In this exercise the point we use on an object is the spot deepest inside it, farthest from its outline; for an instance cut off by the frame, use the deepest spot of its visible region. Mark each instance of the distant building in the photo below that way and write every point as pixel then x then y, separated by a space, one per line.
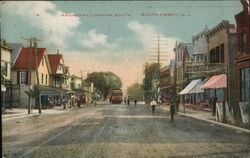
pixel 183 54
pixel 197 67
pixel 243 56
pixel 167 82
pixel 60 79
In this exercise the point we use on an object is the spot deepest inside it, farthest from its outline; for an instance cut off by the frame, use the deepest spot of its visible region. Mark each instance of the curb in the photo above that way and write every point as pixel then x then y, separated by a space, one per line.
pixel 213 122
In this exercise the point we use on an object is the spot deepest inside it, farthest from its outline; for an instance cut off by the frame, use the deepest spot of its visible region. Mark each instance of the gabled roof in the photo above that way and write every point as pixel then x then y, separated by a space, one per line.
pixel 16 48
pixel 54 60
pixel 22 61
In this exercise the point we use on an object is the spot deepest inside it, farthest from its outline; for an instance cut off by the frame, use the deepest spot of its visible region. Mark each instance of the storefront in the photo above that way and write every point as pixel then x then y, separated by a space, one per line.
pixel 193 92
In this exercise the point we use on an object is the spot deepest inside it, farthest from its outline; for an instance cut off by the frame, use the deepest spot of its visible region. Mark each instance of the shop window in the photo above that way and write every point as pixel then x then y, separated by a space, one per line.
pixel 244 84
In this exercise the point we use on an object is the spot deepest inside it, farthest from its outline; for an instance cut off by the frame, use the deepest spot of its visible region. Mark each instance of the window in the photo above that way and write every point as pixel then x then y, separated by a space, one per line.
pixel 23 78
pixel 222 52
pixel 212 56
pixel 243 42
pixel 217 54
pixel 42 78
pixel 244 84
pixel 46 80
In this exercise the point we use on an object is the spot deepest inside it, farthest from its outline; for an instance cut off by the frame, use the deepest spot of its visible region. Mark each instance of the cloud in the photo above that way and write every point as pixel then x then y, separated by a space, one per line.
pixel 147 35
pixel 44 16
pixel 92 39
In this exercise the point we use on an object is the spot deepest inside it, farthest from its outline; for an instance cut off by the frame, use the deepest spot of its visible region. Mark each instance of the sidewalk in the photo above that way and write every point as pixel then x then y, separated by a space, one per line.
pixel 16 112
pixel 206 115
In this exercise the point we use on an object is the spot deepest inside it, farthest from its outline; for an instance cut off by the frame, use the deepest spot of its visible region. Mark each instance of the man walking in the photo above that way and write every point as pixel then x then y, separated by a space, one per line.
pixel 135 102
pixel 213 101
pixel 172 112
pixel 153 105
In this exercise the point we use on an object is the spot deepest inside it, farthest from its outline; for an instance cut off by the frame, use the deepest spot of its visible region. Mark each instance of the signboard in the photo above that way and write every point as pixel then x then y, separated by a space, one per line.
pixel 245 111
pixel 219 112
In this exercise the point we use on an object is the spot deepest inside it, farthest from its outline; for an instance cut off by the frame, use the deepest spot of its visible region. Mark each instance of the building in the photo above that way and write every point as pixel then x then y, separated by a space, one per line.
pixel 5 72
pixel 197 67
pixel 183 53
pixel 13 98
pixel 167 82
pixel 77 85
pixel 60 79
pixel 221 47
pixel 31 68
pixel 242 59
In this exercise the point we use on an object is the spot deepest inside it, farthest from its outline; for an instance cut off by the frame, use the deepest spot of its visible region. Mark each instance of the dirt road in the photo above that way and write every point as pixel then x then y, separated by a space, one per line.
pixel 119 131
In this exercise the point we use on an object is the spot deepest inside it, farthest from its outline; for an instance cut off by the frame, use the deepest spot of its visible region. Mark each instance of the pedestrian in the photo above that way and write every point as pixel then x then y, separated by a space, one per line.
pixel 172 112
pixel 128 101
pixel 153 105
pixel 125 100
pixel 135 102
pixel 213 101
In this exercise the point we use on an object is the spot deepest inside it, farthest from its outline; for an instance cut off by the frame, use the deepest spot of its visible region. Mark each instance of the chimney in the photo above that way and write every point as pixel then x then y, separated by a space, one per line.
pixel 57 51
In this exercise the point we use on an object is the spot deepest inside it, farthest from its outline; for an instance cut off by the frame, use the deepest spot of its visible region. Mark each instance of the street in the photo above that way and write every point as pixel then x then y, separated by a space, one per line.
pixel 113 131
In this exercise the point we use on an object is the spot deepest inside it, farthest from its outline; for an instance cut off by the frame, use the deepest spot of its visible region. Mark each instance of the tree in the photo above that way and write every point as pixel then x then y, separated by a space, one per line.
pixel 135 91
pixel 33 93
pixel 150 70
pixel 104 81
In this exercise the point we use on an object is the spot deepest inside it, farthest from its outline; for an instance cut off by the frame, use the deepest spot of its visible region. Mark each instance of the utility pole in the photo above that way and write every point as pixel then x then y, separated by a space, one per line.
pixel 37 76
pixel 158 58
pixel 33 40
pixel 175 78
pixel 29 80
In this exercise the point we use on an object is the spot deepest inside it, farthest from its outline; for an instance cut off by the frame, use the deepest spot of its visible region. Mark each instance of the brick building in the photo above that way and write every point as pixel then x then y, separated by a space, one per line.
pixel 243 56
pixel 221 47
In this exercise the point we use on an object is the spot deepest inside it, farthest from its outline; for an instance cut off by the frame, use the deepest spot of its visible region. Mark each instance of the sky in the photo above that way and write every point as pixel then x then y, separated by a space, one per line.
pixel 117 36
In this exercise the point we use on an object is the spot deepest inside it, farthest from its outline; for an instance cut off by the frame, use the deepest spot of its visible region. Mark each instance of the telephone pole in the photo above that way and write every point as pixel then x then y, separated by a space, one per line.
pixel 33 40
pixel 158 58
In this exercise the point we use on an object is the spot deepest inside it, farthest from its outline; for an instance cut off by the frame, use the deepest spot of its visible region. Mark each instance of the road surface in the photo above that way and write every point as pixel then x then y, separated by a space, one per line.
pixel 119 131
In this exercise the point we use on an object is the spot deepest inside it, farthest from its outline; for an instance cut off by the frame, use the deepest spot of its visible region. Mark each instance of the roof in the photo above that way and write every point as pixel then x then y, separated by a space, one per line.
pixel 16 48
pixel 54 60
pixel 192 87
pixel 190 50
pixel 22 61
pixel 215 82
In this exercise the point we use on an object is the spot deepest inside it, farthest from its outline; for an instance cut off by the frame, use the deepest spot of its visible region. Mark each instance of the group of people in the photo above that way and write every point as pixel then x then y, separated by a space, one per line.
pixel 127 101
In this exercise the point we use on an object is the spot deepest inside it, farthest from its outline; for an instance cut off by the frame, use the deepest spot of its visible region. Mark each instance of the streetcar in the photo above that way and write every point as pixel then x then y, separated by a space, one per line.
pixel 116 96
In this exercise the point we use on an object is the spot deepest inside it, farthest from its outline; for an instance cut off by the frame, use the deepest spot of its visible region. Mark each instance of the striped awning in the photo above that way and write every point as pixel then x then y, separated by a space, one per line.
pixel 215 82
pixel 192 87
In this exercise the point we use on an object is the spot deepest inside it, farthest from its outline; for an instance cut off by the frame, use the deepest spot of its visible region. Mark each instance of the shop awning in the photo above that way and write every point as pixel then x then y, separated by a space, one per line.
pixel 197 88
pixel 218 81
pixel 192 87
